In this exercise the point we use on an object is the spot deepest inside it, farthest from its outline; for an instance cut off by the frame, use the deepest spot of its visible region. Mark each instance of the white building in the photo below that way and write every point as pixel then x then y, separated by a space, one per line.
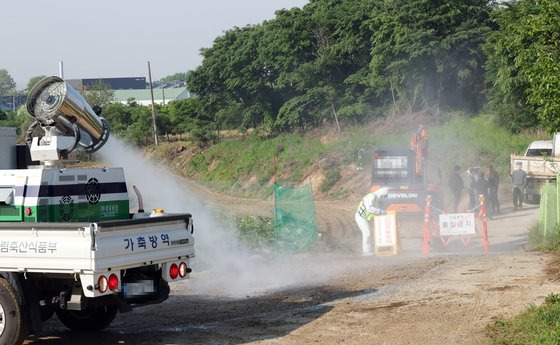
pixel 143 96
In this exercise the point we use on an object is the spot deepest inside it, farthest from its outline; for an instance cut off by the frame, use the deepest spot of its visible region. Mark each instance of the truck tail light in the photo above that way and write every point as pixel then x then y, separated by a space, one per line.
pixel 173 271
pixel 113 282
pixel 102 284
pixel 182 270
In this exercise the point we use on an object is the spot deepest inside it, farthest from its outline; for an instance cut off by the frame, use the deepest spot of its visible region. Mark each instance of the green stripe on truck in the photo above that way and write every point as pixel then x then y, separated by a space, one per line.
pixel 67 211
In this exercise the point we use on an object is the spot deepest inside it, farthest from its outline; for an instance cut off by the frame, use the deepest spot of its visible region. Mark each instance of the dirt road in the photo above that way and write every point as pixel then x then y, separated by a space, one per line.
pixel 443 298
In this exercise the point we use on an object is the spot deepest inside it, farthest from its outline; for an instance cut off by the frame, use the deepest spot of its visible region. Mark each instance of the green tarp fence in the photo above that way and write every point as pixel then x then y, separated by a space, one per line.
pixel 549 210
pixel 295 223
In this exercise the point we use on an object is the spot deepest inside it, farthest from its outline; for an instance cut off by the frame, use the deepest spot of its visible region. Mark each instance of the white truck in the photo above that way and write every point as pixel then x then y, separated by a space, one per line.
pixel 68 243
pixel 541 162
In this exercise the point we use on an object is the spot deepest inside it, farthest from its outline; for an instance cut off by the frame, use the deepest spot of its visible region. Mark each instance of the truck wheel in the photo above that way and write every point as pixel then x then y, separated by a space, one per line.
pixel 89 319
pixel 12 323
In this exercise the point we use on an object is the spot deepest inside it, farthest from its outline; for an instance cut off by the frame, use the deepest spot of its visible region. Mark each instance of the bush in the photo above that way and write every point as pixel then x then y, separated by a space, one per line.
pixel 255 231
pixel 204 135
pixel 332 176
pixel 539 241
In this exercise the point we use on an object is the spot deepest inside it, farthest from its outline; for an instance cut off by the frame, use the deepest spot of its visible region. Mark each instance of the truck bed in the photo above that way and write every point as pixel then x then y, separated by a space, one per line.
pixel 93 247
pixel 537 167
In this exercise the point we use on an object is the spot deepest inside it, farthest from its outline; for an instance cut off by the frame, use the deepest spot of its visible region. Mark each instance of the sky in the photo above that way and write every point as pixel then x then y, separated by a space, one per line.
pixel 105 39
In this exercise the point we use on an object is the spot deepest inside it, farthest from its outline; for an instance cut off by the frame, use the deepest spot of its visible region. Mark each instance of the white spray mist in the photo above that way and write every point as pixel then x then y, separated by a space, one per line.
pixel 223 265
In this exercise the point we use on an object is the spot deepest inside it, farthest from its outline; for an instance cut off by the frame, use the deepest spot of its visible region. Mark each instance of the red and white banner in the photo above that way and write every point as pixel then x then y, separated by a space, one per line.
pixel 456 224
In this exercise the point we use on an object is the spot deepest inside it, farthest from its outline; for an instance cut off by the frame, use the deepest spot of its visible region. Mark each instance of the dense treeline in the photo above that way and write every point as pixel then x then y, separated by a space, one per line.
pixel 523 67
pixel 348 61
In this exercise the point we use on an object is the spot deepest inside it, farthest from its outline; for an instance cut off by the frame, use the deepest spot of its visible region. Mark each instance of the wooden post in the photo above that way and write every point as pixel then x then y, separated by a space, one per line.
pixel 335 117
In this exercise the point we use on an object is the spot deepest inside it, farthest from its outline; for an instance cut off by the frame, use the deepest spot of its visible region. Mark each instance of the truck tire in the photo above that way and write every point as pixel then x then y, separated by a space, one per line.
pixel 13 328
pixel 89 319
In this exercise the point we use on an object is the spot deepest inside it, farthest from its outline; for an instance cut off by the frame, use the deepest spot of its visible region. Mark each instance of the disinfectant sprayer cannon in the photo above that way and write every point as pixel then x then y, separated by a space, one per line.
pixel 66 118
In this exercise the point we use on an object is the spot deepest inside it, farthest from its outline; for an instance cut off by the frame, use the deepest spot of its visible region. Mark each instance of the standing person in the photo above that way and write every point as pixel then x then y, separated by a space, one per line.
pixel 456 185
pixel 481 187
pixel 369 206
pixel 519 179
pixel 471 187
pixel 493 186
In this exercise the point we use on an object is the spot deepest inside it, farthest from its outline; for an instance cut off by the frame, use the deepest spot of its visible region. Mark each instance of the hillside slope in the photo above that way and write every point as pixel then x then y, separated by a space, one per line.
pixel 337 164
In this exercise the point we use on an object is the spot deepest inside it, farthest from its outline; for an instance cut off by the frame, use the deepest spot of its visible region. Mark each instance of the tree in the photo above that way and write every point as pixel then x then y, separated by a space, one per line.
pixel 132 122
pixel 34 80
pixel 180 76
pixel 429 53
pixel 99 94
pixel 345 61
pixel 7 84
pixel 523 69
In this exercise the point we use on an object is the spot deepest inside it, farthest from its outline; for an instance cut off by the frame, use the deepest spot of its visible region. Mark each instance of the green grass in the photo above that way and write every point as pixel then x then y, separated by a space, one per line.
pixel 538 325
pixel 476 141
pixel 539 241
pixel 234 164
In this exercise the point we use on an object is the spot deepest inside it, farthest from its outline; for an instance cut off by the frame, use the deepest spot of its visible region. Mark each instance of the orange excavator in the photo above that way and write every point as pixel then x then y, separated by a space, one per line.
pixel 404 172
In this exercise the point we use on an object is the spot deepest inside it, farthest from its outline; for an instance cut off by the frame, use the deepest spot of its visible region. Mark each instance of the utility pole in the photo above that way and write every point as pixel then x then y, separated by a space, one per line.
pixel 153 105
pixel 14 101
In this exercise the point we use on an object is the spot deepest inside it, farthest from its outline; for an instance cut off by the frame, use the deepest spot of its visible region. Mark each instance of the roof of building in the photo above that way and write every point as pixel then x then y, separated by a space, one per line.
pixel 140 95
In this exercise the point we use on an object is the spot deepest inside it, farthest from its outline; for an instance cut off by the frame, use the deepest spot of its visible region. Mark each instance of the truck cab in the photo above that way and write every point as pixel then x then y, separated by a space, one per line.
pixel 540 148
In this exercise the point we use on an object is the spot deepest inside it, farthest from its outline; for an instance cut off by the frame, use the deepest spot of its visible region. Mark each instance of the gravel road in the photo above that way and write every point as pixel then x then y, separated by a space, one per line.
pixel 446 297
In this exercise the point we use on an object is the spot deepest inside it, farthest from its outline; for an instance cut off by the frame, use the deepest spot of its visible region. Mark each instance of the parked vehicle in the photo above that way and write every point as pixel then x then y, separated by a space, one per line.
pixel 404 171
pixel 68 242
pixel 541 162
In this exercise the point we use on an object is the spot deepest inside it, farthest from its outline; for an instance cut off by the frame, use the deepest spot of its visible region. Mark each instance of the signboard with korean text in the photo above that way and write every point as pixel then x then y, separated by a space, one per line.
pixel 456 224
pixel 385 228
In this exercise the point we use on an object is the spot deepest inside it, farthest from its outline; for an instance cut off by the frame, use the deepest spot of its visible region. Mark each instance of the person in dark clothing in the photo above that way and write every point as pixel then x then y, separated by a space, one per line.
pixel 456 185
pixel 519 179
pixel 493 186
pixel 471 188
pixel 481 188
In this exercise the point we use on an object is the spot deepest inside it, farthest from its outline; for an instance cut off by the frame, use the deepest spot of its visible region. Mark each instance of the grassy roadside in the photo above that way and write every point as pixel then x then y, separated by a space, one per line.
pixel 245 166
pixel 537 325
